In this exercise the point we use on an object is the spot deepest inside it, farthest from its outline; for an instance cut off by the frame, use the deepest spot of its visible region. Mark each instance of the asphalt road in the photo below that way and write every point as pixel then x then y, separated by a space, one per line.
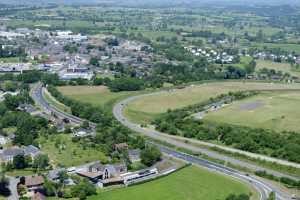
pixel 263 187
pixel 13 182
pixel 125 102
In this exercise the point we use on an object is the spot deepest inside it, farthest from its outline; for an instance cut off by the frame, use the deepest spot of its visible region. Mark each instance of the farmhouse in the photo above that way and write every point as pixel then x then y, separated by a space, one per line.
pixel 104 174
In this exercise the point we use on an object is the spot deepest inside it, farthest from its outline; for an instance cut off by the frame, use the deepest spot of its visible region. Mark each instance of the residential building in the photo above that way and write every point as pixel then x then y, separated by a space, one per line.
pixel 34 182
pixel 7 155
pixel 134 155
pixel 121 146
pixel 104 174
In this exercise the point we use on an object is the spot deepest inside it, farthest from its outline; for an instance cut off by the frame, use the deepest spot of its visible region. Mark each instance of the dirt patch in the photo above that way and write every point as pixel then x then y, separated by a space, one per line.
pixel 251 106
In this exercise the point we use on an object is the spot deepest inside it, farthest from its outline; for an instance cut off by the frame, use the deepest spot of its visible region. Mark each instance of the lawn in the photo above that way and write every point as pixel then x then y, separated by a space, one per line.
pixel 191 183
pixel 62 151
pixel 10 60
pixel 145 108
pixel 273 110
pixel 22 172
pixel 284 67
pixel 96 95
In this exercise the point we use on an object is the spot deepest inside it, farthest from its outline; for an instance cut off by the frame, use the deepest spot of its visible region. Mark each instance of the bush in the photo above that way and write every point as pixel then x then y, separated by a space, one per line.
pixel 150 155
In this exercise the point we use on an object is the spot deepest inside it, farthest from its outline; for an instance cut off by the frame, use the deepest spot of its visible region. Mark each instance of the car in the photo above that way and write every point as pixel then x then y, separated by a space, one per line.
pixel 71 169
pixel 65 120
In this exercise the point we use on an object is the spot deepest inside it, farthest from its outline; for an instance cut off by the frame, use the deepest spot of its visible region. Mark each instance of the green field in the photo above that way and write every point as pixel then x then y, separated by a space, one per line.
pixel 191 183
pixel 272 110
pixel 96 95
pixel 142 110
pixel 68 153
pixel 10 60
pixel 286 47
pixel 284 67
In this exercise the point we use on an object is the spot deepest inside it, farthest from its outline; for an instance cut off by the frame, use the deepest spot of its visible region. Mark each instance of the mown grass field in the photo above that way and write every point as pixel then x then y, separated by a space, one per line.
pixel 96 95
pixel 272 110
pixel 142 110
pixel 284 67
pixel 68 153
pixel 286 47
pixel 191 183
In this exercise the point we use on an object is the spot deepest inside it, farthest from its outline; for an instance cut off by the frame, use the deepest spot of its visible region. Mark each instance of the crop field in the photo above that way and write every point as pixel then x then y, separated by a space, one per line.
pixel 178 98
pixel 191 183
pixel 96 95
pixel 271 110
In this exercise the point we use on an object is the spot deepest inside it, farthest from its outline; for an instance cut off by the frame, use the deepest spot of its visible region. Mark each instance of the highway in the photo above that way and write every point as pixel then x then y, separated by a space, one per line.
pixel 37 96
pixel 263 187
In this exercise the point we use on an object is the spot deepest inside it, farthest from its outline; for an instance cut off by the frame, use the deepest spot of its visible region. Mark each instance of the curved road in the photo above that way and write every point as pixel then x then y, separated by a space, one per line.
pixel 118 114
pixel 263 187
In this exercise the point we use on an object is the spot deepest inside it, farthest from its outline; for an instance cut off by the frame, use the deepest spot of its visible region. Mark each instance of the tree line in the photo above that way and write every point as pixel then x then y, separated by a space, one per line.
pixel 283 145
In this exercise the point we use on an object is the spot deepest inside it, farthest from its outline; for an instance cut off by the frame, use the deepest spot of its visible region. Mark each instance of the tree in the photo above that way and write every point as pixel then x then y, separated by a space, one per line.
pixel 94 61
pixel 4 183
pixel 19 162
pixel 98 81
pixel 10 86
pixel 83 189
pixel 272 196
pixel 62 176
pixel 85 124
pixel 238 197
pixel 41 161
pixel 150 155
pixel 126 84
pixel 250 68
pixel 49 188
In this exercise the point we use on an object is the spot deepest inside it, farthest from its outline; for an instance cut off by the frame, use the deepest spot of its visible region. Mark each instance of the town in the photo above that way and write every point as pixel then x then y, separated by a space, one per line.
pixel 153 100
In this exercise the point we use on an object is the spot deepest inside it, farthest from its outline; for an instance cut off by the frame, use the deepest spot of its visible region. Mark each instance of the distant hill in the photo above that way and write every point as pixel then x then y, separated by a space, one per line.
pixel 151 2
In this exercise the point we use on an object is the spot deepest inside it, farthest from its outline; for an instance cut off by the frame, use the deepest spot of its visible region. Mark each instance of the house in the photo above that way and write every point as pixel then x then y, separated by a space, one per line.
pixel 104 174
pixel 121 146
pixel 134 155
pixel 34 182
pixel 31 151
pixel 7 155
pixel 54 174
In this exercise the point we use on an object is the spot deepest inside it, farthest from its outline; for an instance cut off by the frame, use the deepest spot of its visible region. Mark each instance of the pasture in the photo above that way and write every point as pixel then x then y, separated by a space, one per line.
pixel 279 111
pixel 284 67
pixel 147 106
pixel 96 95
pixel 191 183
pixel 284 46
